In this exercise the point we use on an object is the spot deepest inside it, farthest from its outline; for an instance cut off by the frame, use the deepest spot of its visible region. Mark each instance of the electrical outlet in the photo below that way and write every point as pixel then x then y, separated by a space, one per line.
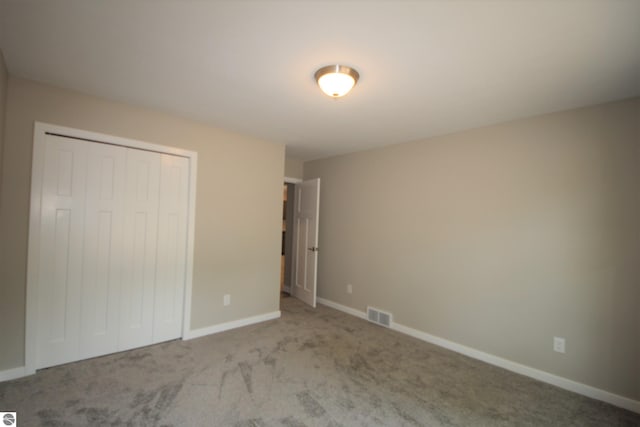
pixel 227 299
pixel 558 344
pixel 349 288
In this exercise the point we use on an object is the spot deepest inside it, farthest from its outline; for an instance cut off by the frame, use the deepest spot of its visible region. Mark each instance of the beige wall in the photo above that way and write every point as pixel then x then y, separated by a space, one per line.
pixel 4 79
pixel 238 213
pixel 499 239
pixel 293 168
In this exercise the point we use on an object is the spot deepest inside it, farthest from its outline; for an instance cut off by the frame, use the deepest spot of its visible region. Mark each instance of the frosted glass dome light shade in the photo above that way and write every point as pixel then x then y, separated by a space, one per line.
pixel 336 80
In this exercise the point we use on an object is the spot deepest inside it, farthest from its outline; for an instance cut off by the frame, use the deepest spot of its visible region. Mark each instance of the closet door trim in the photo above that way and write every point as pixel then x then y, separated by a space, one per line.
pixel 41 130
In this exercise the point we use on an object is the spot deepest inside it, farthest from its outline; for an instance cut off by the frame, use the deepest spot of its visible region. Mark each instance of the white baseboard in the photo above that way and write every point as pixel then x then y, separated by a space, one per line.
pixel 12 374
pixel 567 384
pixel 343 308
pixel 221 327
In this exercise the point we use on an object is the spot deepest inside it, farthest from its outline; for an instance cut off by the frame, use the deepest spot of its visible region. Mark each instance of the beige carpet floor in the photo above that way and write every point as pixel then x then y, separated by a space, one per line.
pixel 309 368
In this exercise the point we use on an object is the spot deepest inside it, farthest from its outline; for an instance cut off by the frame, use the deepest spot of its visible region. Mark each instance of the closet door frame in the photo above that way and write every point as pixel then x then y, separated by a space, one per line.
pixel 41 130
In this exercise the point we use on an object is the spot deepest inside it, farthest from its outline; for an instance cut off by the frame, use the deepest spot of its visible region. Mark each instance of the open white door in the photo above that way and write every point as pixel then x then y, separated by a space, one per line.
pixel 305 229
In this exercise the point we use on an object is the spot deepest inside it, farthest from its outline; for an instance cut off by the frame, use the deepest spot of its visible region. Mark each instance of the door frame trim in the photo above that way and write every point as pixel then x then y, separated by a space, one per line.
pixel 37 170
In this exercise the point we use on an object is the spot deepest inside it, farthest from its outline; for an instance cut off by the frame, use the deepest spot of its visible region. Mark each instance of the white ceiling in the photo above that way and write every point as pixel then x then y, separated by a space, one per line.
pixel 427 68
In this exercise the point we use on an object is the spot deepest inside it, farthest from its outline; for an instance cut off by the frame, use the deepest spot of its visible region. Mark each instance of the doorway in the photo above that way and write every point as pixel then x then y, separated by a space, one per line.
pixel 286 263
pixel 299 258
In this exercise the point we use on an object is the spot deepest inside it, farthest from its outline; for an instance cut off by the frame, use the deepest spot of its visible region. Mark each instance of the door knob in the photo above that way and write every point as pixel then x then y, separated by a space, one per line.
pixel 313 249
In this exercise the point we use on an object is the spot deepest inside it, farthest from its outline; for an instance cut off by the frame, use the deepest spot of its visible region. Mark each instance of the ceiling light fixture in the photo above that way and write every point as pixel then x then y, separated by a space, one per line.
pixel 336 80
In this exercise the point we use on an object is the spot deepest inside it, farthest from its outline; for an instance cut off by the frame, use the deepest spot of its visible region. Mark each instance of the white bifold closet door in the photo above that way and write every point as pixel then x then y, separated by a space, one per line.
pixel 113 233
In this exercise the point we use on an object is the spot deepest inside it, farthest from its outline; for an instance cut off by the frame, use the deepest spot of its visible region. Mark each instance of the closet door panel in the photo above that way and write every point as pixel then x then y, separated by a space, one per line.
pixel 139 249
pixel 112 246
pixel 172 248
pixel 104 216
pixel 61 247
